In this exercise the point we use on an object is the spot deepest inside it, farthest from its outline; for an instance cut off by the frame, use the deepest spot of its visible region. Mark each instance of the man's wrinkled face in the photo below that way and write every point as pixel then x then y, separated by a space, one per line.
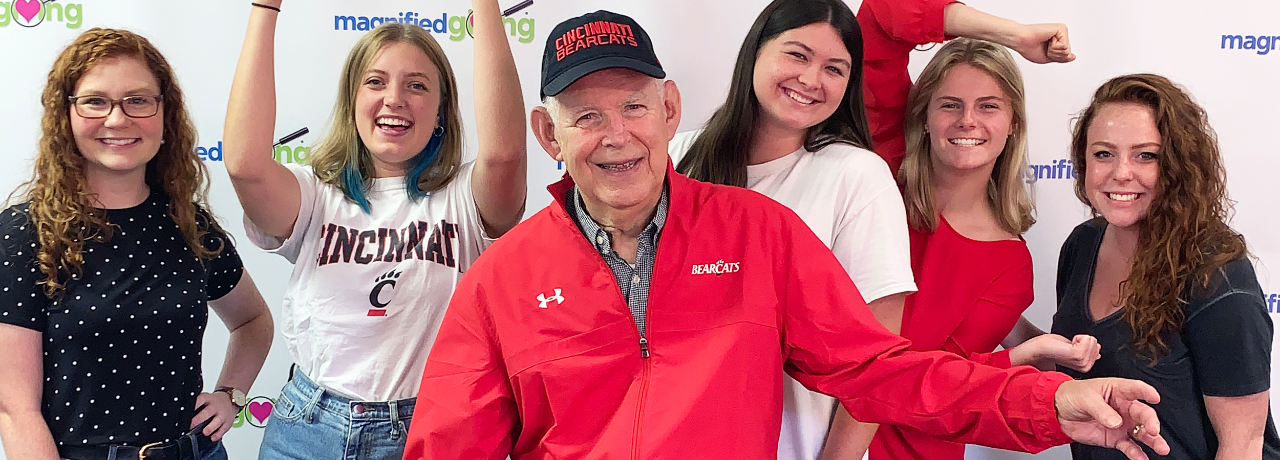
pixel 611 129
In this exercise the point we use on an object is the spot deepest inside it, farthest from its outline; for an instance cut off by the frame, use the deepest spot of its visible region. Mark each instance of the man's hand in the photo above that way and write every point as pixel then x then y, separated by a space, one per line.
pixel 1110 412
pixel 1044 43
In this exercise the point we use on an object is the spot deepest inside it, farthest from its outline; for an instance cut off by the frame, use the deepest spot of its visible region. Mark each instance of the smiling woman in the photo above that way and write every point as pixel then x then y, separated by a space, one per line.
pixel 385 118
pixel 1159 276
pixel 967 118
pixel 793 128
pixel 966 201
pixel 390 171
pixel 113 232
pixel 117 144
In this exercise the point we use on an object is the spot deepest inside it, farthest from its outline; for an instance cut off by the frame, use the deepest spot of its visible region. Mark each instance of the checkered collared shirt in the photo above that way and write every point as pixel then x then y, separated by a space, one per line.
pixel 632 279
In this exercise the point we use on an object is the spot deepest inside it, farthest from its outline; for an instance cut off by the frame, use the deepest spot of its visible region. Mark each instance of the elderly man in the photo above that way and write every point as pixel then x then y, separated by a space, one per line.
pixel 647 315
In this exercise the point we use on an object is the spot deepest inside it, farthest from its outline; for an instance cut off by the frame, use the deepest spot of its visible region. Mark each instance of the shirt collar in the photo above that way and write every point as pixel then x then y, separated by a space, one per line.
pixel 600 238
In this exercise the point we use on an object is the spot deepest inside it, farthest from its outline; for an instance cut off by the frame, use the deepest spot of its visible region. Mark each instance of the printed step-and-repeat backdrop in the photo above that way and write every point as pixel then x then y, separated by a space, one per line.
pixel 1224 53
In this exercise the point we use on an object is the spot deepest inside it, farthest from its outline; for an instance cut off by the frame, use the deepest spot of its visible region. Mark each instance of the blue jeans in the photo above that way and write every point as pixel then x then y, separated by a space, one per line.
pixel 309 423
pixel 217 452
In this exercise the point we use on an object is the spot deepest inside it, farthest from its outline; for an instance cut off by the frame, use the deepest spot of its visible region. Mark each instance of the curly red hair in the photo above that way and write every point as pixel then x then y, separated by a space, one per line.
pixel 61 202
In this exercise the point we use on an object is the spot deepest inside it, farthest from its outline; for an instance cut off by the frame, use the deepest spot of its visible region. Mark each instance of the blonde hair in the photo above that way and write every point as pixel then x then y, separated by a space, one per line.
pixel 341 157
pixel 1006 192
pixel 61 210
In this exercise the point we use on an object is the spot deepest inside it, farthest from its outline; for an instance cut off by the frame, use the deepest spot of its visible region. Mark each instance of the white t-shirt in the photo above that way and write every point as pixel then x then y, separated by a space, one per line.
pixel 849 199
pixel 368 291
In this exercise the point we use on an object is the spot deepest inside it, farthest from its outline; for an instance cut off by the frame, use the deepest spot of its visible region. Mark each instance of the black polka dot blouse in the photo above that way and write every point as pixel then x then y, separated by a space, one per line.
pixel 122 343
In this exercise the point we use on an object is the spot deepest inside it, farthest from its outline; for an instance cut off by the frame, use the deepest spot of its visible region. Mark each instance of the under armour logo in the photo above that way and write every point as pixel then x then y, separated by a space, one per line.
pixel 542 299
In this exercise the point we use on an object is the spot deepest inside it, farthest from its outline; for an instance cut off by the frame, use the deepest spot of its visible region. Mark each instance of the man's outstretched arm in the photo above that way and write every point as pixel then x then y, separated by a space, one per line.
pixel 835 345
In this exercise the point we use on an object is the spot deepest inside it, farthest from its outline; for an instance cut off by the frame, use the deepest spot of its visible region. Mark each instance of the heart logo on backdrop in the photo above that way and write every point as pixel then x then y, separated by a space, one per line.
pixel 259 411
pixel 28 9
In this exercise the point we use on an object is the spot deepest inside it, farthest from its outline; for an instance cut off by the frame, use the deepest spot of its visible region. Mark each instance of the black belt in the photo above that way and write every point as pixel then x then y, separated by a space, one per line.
pixel 178 449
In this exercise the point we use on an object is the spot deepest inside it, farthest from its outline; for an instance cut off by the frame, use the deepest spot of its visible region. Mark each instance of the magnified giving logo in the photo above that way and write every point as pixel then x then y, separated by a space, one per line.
pixel 31 13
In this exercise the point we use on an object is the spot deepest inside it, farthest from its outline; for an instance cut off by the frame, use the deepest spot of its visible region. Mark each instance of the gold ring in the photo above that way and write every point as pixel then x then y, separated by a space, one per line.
pixel 1137 429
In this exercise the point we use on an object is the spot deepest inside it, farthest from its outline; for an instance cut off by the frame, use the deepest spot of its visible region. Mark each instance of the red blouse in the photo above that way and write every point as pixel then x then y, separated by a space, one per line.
pixel 971 294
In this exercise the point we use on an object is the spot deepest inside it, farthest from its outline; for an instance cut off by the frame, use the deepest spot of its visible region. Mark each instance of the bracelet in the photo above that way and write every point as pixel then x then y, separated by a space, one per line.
pixel 269 7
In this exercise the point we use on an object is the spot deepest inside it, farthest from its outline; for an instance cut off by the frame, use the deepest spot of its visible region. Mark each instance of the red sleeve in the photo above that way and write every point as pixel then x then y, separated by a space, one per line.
pixel 890 30
pixel 910 21
pixel 465 407
pixel 998 359
pixel 844 352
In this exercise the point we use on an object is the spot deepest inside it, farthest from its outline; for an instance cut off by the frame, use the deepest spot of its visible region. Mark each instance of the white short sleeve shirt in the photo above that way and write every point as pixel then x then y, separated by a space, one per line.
pixel 368 290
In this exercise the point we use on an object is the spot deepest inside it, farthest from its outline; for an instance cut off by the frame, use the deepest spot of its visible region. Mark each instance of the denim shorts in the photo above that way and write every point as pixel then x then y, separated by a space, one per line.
pixel 310 423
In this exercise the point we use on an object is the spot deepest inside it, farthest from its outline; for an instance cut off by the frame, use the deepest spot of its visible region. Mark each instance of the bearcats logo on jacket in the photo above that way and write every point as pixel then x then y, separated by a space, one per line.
pixel 507 377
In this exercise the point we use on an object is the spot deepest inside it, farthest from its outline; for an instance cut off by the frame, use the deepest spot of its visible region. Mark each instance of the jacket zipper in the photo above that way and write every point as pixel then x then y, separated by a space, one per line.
pixel 644 391
pixel 644 354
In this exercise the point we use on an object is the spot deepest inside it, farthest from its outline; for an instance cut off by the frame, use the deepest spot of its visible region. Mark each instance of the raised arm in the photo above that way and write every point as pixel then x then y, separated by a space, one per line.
pixel 1039 43
pixel 892 28
pixel 498 181
pixel 22 428
pixel 268 192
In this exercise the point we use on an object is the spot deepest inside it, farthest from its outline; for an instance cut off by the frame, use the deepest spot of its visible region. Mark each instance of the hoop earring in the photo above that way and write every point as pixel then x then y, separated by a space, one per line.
pixel 439 131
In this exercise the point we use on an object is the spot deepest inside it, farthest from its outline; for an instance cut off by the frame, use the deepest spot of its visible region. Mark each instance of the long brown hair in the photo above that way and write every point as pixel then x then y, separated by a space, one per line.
pixel 1184 235
pixel 61 202
pixel 1006 191
pixel 719 154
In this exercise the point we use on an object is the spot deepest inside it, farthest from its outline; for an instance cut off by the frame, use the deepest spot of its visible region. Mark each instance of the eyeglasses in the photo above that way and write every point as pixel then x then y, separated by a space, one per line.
pixel 101 106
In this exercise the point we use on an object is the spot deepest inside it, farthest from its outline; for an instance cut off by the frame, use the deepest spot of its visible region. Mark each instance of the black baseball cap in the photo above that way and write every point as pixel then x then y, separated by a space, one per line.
pixel 595 41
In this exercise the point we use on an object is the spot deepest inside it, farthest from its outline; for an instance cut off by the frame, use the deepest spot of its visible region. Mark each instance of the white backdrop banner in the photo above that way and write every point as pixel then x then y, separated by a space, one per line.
pixel 1224 53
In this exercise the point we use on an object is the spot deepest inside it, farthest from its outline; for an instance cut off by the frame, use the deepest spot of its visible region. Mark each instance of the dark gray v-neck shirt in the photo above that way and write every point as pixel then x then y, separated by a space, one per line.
pixel 1224 349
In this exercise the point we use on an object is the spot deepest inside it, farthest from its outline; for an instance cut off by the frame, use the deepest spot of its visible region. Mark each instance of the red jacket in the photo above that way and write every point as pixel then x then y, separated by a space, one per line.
pixel 538 356
pixel 890 30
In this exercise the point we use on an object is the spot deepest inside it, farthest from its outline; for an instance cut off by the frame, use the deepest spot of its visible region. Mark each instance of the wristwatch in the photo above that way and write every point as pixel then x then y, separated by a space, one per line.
pixel 237 396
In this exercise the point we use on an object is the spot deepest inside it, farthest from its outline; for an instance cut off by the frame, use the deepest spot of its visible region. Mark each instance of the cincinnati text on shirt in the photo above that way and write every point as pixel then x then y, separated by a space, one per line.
pixel 418 240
